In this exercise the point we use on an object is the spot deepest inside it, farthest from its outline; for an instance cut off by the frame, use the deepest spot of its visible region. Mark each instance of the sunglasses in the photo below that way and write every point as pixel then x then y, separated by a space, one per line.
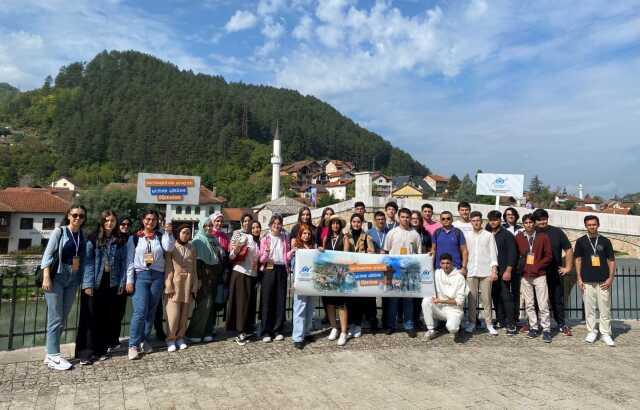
pixel 445 219
pixel 77 216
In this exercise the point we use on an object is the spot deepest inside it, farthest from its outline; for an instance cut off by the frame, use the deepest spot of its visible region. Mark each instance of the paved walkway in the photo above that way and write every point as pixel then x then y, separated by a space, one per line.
pixel 370 372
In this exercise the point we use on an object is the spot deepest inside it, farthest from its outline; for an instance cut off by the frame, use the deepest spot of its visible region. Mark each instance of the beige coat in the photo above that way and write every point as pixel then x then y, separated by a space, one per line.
pixel 181 278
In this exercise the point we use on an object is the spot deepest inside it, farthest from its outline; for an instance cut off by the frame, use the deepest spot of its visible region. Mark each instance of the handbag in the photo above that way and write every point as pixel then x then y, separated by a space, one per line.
pixel 53 268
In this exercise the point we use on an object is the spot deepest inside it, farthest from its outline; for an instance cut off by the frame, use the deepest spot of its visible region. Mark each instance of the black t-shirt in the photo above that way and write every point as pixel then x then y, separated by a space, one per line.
pixel 559 242
pixel 604 250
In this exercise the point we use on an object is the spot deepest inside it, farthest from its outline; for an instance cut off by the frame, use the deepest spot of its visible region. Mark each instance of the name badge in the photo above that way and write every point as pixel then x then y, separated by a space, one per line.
pixel 403 251
pixel 75 264
pixel 148 258
pixel 530 259
pixel 269 265
pixel 595 261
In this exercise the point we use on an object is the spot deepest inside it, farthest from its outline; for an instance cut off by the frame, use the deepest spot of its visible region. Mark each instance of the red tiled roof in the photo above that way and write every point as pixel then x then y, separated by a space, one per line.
pixel 438 178
pixel 338 183
pixel 616 211
pixel 235 214
pixel 32 200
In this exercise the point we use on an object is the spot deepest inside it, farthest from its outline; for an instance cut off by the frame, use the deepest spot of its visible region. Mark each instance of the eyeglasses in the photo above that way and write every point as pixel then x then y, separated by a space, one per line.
pixel 77 216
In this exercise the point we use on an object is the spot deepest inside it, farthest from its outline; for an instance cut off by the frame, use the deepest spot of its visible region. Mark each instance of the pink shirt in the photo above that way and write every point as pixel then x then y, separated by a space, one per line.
pixel 431 226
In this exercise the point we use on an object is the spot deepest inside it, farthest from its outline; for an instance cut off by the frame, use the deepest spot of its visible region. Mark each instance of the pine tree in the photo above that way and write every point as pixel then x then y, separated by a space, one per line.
pixel 467 190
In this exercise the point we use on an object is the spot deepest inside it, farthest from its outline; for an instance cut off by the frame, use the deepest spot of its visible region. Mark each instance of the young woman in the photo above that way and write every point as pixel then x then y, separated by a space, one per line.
pixel 180 284
pixel 303 306
pixel 145 278
pixel 323 227
pixel 357 240
pixel 304 218
pixel 120 300
pixel 336 241
pixel 274 252
pixel 66 249
pixel 244 256
pixel 211 245
pixel 103 281
pixel 417 223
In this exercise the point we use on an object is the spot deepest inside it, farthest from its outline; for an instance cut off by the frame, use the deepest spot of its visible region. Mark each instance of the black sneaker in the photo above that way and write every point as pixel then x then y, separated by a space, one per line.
pixel 512 332
pixel 532 333
pixel 298 345
pixel 546 337
pixel 309 339
pixel 388 331
pixel 411 333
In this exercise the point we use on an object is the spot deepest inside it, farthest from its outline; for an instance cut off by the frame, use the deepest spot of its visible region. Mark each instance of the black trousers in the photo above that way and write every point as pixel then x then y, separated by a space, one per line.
pixel 503 301
pixel 97 318
pixel 158 322
pixel 119 308
pixel 363 307
pixel 516 279
pixel 273 299
pixel 555 284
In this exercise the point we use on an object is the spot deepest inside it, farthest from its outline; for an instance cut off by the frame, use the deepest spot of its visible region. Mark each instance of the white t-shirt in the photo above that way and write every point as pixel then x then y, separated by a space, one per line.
pixel 276 253
pixel 465 227
pixel 400 241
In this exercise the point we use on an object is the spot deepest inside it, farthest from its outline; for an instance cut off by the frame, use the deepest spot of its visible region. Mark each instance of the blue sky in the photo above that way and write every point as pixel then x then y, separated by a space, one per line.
pixel 548 87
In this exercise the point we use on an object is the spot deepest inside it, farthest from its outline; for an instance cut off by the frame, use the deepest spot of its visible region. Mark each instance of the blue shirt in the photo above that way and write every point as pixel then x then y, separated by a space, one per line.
pixel 449 242
pixel 378 237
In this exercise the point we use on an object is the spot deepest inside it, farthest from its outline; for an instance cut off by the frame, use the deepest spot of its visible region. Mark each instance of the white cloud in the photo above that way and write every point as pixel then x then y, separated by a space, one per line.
pixel 266 7
pixel 304 29
pixel 241 20
pixel 273 30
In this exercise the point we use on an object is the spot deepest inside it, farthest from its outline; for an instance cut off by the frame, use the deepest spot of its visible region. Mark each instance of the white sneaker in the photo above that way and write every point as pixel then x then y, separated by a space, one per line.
pixel 469 327
pixel 430 334
pixel 333 335
pixel 608 340
pixel 342 340
pixel 266 339
pixel 57 362
pixel 171 347
pixel 355 331
pixel 145 347
pixel 279 338
pixel 181 344
pixel 207 339
pixel 492 330
pixel 133 353
pixel 591 337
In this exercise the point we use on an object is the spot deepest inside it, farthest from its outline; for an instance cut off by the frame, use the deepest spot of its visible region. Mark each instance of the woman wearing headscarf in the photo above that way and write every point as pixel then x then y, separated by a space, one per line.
pixel 212 247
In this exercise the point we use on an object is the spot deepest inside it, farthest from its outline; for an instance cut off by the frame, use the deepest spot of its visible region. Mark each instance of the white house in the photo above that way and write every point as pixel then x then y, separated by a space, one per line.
pixel 382 185
pixel 338 190
pixel 28 216
pixel 63 183
pixel 208 203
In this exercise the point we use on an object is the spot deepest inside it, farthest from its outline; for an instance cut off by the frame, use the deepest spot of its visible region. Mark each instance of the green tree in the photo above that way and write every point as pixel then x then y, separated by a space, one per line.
pixel 453 185
pixel 535 186
pixel 467 190
pixel 635 210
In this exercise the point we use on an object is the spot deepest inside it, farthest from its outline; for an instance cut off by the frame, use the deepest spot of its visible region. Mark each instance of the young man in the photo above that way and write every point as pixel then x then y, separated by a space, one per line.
pixel 557 270
pixel 448 303
pixel 390 209
pixel 595 266
pixel 464 224
pixel 482 272
pixel 360 209
pixel 510 224
pixel 534 249
pixel 401 240
pixel 379 231
pixel 451 240
pixel 508 284
pixel 427 219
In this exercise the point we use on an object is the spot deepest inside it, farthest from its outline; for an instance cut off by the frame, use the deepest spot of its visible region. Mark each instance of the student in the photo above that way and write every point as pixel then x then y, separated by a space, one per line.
pixel 464 224
pixel 508 283
pixel 323 225
pixel 510 224
pixel 274 254
pixel 402 240
pixel 451 240
pixel 534 249
pixel 303 305
pixel 425 237
pixel 304 218
pixel 211 246
pixel 103 281
pixel 145 278
pixel 556 269
pixel 336 242
pixel 360 209
pixel 391 209
pixel 596 266
pixel 427 219
pixel 357 240
pixel 120 303
pixel 180 286
pixel 63 265
pixel 448 303
pixel 378 231
pixel 482 272
pixel 244 257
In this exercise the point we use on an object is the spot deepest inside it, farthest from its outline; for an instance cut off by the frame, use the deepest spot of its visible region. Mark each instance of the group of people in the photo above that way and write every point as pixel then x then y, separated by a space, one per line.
pixel 165 271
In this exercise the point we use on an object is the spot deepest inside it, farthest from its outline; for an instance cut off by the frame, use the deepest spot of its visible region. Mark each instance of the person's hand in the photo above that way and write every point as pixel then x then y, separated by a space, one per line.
pixel 88 291
pixel 607 284
pixel 463 271
pixel 320 249
pixel 581 285
pixel 563 271
pixel 168 228
pixel 506 276
pixel 434 299
pixel 47 284
pixel 493 277
pixel 130 288
pixel 293 251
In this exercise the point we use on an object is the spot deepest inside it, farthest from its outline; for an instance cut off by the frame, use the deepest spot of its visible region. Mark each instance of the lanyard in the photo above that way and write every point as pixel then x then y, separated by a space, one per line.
pixel 334 243
pixel 594 247
pixel 148 245
pixel 532 240
pixel 76 243
pixel 381 239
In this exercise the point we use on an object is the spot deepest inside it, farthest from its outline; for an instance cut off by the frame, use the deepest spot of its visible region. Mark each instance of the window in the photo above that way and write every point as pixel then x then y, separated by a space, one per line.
pixel 26 223
pixel 4 221
pixel 197 210
pixel 188 210
pixel 44 242
pixel 178 209
pixel 24 244
pixel 48 224
pixel 211 210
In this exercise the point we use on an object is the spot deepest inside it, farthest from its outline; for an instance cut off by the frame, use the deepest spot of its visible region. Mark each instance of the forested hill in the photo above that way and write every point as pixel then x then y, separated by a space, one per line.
pixel 128 111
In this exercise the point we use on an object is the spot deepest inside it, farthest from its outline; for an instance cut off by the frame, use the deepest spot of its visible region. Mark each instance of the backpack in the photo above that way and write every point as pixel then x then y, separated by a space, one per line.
pixel 53 268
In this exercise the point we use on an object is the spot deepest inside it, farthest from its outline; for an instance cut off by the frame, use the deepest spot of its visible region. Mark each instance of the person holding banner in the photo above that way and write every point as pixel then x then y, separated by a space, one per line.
pixel 357 240
pixel 303 306
pixel 402 240
pixel 145 278
pixel 336 241
pixel 274 256
pixel 211 245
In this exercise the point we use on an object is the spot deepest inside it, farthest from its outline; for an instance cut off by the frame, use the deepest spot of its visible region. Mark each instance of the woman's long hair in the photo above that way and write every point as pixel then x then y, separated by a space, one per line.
pixel 299 242
pixel 323 217
pixel 100 237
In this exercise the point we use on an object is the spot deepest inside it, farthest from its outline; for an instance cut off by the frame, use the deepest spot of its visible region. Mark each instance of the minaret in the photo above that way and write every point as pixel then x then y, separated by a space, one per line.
pixel 580 191
pixel 276 161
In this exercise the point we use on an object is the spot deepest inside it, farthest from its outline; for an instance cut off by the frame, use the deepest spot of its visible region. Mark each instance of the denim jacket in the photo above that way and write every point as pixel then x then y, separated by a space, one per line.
pixel 47 257
pixel 94 267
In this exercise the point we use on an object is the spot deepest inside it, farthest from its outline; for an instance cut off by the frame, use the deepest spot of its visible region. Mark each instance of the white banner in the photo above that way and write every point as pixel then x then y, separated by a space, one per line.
pixel 500 185
pixel 168 189
pixel 334 273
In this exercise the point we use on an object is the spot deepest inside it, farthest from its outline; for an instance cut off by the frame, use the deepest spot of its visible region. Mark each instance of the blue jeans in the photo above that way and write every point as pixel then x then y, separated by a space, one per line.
pixel 391 312
pixel 149 286
pixel 303 308
pixel 59 303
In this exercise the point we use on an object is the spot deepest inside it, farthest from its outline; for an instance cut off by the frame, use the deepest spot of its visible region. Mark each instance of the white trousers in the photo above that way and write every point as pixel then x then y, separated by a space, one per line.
pixel 432 312
pixel 594 296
